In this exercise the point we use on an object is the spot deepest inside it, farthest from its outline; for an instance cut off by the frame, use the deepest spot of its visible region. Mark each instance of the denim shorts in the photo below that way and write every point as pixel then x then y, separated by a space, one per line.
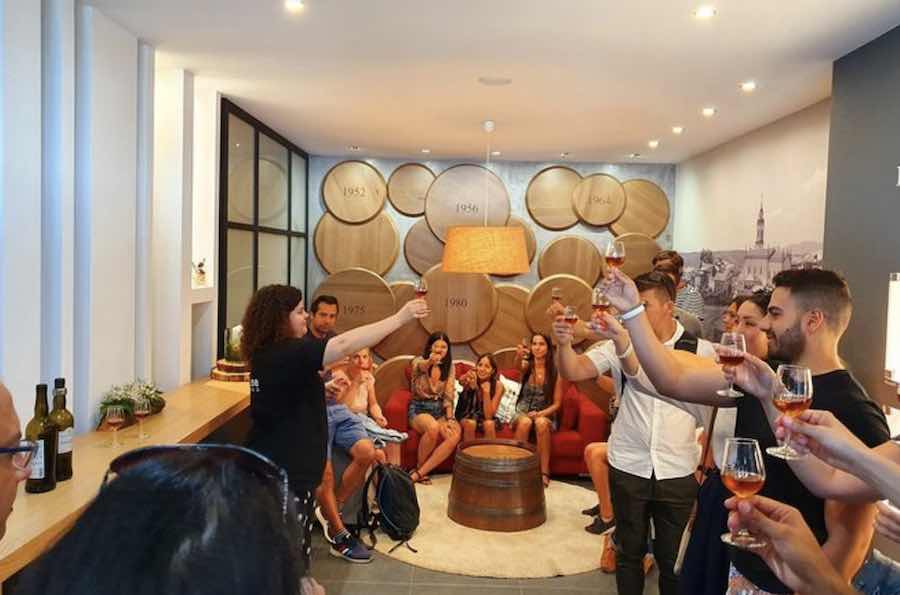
pixel 879 576
pixel 344 428
pixel 433 407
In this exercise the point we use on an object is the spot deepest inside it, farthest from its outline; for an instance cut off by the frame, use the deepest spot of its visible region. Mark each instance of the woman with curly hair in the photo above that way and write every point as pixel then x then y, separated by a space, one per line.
pixel 287 394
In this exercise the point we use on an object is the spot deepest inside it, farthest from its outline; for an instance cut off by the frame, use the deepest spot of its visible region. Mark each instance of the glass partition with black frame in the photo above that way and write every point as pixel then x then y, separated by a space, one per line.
pixel 262 214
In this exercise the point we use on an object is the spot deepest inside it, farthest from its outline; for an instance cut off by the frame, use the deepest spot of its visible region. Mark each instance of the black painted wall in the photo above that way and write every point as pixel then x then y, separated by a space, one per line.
pixel 862 213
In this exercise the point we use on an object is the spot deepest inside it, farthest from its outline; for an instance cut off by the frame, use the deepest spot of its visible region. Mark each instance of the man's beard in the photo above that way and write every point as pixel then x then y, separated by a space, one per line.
pixel 788 346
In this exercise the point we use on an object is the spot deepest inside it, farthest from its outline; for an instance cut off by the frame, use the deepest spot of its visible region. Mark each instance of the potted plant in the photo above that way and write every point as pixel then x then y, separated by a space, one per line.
pixel 126 395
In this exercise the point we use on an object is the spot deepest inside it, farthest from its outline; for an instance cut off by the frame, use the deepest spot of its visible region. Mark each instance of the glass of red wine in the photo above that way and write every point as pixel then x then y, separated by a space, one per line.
pixel 734 346
pixel 794 396
pixel 615 253
pixel 115 417
pixel 570 315
pixel 744 474
pixel 142 409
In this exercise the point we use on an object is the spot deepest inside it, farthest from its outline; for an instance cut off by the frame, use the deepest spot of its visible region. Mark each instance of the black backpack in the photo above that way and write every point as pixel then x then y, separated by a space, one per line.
pixel 389 489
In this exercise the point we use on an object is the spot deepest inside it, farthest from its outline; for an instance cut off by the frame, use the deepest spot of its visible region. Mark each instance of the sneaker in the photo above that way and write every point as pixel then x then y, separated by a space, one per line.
pixel 320 516
pixel 600 527
pixel 350 549
pixel 592 511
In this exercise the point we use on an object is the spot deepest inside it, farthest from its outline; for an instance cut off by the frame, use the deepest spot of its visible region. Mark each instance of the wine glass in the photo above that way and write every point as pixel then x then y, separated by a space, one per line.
pixel 793 397
pixel 744 473
pixel 115 417
pixel 600 305
pixel 421 288
pixel 615 253
pixel 142 409
pixel 734 345
pixel 570 315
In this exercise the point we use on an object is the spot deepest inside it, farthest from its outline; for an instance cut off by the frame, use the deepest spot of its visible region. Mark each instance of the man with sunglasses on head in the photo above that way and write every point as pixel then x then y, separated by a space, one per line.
pixel 15 466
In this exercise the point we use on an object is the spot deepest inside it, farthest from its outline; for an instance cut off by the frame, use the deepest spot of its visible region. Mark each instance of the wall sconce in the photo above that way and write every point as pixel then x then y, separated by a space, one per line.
pixel 892 343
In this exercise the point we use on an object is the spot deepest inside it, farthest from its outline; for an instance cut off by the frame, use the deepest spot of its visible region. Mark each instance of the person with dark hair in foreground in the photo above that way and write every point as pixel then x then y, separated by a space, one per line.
pixel 807 315
pixel 15 464
pixel 180 520
pixel 287 393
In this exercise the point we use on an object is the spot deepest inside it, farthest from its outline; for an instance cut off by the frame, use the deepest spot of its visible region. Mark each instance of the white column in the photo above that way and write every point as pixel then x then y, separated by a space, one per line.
pixel 58 197
pixel 20 201
pixel 143 323
pixel 171 245
pixel 105 204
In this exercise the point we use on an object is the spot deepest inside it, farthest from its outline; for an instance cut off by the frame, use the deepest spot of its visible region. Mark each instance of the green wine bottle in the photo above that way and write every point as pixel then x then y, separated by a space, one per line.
pixel 42 431
pixel 65 425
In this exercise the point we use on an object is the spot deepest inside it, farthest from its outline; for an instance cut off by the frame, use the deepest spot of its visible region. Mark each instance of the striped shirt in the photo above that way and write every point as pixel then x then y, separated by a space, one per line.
pixel 689 299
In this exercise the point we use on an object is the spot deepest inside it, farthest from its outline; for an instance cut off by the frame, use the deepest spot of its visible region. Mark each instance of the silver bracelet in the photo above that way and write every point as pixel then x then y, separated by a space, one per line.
pixel 633 313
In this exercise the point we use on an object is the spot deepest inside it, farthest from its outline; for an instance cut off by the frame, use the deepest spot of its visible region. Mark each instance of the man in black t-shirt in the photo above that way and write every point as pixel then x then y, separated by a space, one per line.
pixel 346 431
pixel 808 313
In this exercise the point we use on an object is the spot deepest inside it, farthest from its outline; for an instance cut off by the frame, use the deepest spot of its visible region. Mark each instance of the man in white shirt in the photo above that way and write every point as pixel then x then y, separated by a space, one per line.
pixel 653 450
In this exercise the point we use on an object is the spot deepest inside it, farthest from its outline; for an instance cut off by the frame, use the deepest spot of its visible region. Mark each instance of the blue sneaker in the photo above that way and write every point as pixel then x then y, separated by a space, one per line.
pixel 350 549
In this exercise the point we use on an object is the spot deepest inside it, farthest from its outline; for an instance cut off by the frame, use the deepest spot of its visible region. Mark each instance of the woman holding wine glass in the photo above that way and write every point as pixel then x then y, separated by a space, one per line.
pixel 430 411
pixel 539 400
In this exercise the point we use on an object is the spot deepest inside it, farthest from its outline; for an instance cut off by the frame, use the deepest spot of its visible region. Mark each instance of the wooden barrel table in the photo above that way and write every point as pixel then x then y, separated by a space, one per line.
pixel 497 486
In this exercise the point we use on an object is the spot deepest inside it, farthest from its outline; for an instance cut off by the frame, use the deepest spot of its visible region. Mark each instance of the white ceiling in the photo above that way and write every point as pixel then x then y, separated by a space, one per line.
pixel 596 78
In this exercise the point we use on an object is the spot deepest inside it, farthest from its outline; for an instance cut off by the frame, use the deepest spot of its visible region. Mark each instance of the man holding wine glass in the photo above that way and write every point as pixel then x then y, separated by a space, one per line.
pixel 653 451
pixel 807 315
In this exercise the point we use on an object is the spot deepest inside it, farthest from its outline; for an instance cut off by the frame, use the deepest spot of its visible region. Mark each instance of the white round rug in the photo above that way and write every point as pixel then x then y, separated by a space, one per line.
pixel 559 547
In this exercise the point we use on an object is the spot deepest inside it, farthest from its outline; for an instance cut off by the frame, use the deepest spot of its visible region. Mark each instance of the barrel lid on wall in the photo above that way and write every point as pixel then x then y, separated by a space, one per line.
pixel 462 304
pixel 639 252
pixel 549 197
pixel 373 245
pixel 408 187
pixel 573 255
pixel 508 326
pixel 354 191
pixel 646 211
pixel 421 248
pixel 459 196
pixel 364 297
pixel 599 199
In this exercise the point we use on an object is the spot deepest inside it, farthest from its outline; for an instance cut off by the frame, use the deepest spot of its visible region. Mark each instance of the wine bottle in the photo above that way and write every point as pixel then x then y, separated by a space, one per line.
pixel 42 431
pixel 65 425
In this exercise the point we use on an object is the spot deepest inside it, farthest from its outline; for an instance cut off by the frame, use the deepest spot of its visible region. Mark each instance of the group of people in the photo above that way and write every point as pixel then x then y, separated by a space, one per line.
pixel 181 517
pixel 817 512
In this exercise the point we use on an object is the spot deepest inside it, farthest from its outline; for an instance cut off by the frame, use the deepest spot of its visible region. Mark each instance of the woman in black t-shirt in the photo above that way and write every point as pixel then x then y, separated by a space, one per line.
pixel 287 395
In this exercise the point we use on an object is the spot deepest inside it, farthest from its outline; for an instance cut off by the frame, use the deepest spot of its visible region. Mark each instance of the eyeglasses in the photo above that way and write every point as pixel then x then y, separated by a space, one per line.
pixel 21 454
pixel 248 459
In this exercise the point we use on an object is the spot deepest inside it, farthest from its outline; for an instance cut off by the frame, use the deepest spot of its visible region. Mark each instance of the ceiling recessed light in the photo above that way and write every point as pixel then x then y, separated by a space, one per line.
pixel 653 144
pixel 293 5
pixel 426 151
pixel 488 126
pixel 748 86
pixel 495 153
pixel 237 145
pixel 634 155
pixel 677 129
pixel 494 81
pixel 354 148
pixel 563 155
pixel 708 112
pixel 707 11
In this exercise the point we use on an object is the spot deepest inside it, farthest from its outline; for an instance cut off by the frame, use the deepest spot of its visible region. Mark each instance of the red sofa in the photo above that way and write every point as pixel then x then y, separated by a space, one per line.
pixel 580 422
